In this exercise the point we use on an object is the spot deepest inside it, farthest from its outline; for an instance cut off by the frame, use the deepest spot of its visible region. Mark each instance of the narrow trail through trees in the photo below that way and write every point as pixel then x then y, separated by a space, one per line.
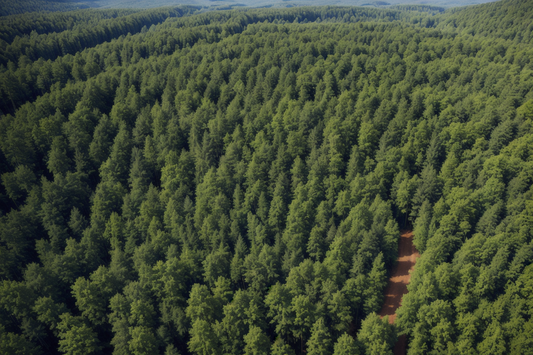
pixel 397 284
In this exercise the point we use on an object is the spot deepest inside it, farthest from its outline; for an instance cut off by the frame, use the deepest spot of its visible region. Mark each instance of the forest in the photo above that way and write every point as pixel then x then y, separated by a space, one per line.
pixel 11 7
pixel 176 181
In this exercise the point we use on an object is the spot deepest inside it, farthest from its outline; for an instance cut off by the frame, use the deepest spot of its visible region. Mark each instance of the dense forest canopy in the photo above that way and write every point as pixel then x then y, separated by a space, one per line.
pixel 235 182
pixel 11 7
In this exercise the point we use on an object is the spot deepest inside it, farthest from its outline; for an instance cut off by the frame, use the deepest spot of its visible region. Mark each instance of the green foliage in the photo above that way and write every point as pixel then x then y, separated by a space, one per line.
pixel 377 335
pixel 320 342
pixel 257 343
pixel 11 343
pixel 235 182
pixel 76 337
pixel 203 339
pixel 346 345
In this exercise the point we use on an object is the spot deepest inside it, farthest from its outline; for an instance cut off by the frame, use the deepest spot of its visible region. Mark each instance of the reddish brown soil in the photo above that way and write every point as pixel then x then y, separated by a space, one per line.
pixel 397 284
pixel 400 348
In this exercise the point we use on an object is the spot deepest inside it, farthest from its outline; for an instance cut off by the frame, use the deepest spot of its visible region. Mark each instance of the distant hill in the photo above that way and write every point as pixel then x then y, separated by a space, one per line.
pixel 285 3
pixel 502 19
pixel 9 7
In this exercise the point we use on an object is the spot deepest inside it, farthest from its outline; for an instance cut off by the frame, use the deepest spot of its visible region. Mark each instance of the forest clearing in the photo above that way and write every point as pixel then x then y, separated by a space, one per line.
pixel 400 276
pixel 397 284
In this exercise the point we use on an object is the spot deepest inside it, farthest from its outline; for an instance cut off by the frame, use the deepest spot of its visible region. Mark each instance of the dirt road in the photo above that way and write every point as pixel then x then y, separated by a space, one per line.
pixel 397 284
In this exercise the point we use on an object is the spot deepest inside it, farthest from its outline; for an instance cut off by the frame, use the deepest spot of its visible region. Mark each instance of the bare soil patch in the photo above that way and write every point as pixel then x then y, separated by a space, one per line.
pixel 397 284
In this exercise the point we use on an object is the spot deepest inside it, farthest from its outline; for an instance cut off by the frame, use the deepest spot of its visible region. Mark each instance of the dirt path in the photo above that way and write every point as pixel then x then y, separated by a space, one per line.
pixel 397 284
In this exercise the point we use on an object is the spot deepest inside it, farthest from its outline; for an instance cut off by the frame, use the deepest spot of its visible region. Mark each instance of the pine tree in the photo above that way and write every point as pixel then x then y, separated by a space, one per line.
pixel 346 345
pixel 257 343
pixel 320 341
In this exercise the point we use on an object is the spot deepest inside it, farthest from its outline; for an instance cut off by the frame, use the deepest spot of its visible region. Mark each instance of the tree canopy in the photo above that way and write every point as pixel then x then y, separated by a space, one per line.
pixel 235 182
